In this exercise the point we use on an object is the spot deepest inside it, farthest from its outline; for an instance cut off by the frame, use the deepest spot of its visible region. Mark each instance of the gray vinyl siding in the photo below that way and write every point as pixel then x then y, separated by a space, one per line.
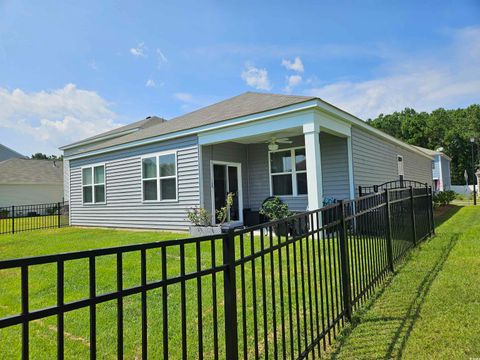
pixel 66 180
pixel 375 161
pixel 124 206
pixel 447 181
pixel 259 176
pixel 334 153
pixel 436 168
pixel 228 152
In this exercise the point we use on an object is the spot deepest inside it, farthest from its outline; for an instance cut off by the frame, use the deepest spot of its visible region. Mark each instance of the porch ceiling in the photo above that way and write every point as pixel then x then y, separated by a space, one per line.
pixel 264 137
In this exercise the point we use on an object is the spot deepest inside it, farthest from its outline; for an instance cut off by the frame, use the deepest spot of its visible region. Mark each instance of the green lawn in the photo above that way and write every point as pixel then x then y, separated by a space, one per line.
pixel 43 293
pixel 31 222
pixel 431 307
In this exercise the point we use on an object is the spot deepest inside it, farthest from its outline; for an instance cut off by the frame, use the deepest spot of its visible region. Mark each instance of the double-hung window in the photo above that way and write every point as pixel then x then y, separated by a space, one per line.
pixel 288 172
pixel 159 177
pixel 93 184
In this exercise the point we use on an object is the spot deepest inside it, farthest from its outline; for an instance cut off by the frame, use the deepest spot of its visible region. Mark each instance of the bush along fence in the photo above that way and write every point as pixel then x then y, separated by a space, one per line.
pixel 252 293
pixel 18 218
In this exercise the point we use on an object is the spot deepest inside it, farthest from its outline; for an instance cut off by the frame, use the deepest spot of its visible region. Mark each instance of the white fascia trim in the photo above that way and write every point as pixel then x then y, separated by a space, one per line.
pixel 310 104
pixel 106 137
pixel 343 115
pixel 194 131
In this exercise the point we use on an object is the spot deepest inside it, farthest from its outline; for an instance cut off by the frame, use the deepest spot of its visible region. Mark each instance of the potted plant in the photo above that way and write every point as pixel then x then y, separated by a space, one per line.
pixel 202 220
pixel 274 209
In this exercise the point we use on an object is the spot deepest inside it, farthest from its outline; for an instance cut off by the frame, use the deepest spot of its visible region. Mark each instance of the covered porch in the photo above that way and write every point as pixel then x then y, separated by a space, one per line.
pixel 303 159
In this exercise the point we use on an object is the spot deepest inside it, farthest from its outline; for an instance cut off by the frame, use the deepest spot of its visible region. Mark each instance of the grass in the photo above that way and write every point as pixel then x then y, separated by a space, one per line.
pixel 430 308
pixel 30 222
pixel 42 293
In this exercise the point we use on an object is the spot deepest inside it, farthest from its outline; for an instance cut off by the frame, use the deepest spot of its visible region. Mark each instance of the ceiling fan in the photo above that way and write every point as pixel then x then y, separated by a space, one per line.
pixel 274 141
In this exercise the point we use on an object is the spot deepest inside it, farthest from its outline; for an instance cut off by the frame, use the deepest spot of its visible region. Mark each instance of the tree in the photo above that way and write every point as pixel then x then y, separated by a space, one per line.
pixel 41 156
pixel 450 129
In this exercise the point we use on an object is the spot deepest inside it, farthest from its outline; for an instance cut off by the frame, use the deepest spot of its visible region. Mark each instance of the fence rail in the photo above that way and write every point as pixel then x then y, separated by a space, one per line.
pixel 282 293
pixel 394 184
pixel 17 218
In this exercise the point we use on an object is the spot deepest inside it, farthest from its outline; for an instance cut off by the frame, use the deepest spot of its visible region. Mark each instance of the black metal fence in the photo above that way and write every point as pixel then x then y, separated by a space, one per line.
pixel 394 184
pixel 17 218
pixel 282 289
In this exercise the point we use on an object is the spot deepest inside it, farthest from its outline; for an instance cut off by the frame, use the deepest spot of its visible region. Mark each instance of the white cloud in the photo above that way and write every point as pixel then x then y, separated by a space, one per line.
pixel 292 81
pixel 448 78
pixel 162 59
pixel 139 51
pixel 296 65
pixel 256 78
pixel 150 83
pixel 184 97
pixel 46 120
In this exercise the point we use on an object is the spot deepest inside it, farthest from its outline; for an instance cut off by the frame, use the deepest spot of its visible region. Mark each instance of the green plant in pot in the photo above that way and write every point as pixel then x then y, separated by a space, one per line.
pixel 202 220
pixel 275 209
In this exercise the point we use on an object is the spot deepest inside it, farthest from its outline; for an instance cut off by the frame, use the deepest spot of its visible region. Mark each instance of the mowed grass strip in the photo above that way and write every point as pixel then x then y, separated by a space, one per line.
pixel 260 296
pixel 430 308
pixel 27 223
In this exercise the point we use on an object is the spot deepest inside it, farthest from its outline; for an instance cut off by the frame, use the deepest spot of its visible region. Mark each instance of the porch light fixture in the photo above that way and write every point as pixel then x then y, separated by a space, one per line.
pixel 273 147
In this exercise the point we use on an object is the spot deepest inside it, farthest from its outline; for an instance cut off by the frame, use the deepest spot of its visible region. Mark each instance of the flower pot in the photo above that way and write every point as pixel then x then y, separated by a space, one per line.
pixel 197 231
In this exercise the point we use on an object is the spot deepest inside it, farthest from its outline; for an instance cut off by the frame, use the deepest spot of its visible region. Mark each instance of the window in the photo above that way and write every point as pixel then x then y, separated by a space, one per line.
pixel 93 184
pixel 159 177
pixel 288 172
pixel 400 165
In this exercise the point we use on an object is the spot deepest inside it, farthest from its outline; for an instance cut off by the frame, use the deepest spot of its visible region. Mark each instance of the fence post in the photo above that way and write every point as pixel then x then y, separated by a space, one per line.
pixel 58 213
pixel 360 191
pixel 230 296
pixel 347 298
pixel 389 231
pixel 430 206
pixel 13 219
pixel 412 213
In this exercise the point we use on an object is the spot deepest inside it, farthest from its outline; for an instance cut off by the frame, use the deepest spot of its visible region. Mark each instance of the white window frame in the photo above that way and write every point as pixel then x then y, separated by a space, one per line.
pixel 92 185
pixel 293 173
pixel 400 168
pixel 158 177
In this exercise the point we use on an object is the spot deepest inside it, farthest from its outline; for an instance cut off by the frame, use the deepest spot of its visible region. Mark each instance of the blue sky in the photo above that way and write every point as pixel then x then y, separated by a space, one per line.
pixel 72 69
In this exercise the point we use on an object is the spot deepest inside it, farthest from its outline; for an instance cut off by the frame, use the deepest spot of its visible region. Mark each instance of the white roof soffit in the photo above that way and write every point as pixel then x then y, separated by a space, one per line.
pixel 311 104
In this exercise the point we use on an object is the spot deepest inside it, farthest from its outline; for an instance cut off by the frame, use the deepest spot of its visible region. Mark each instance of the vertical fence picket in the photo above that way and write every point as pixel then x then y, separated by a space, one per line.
pixel 389 230
pixel 344 261
pixel 412 216
pixel 230 296
pixel 13 219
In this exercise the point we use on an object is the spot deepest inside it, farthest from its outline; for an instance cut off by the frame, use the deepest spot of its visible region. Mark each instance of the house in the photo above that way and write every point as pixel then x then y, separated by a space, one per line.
pixel 300 148
pixel 440 169
pixel 30 182
pixel 7 153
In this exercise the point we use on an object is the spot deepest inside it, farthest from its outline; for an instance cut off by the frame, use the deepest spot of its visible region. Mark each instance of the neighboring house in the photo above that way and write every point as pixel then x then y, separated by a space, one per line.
pixel 29 182
pixel 300 148
pixel 7 153
pixel 440 169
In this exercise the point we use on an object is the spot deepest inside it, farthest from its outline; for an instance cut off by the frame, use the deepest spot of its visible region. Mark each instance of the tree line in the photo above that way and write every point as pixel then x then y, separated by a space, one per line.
pixel 447 129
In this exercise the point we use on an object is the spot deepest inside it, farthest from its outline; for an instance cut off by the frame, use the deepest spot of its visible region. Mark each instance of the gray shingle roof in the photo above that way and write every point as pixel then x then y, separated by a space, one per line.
pixel 7 153
pixel 245 104
pixel 431 152
pixel 27 171
pixel 142 124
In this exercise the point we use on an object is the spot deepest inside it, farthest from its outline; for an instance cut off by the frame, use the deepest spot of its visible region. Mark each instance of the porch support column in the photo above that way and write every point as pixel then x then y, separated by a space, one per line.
pixel 350 168
pixel 311 133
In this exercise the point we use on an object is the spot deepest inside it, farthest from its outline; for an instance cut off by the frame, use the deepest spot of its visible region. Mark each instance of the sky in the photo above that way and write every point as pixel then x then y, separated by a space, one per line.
pixel 73 69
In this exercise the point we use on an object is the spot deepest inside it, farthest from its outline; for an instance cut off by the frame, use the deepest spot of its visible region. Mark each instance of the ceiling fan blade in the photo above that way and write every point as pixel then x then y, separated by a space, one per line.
pixel 284 141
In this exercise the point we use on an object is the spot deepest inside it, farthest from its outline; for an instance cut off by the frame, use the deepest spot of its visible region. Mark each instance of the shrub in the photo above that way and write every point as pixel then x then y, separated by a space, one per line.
pixel 4 213
pixel 222 213
pixel 443 198
pixel 199 216
pixel 275 209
